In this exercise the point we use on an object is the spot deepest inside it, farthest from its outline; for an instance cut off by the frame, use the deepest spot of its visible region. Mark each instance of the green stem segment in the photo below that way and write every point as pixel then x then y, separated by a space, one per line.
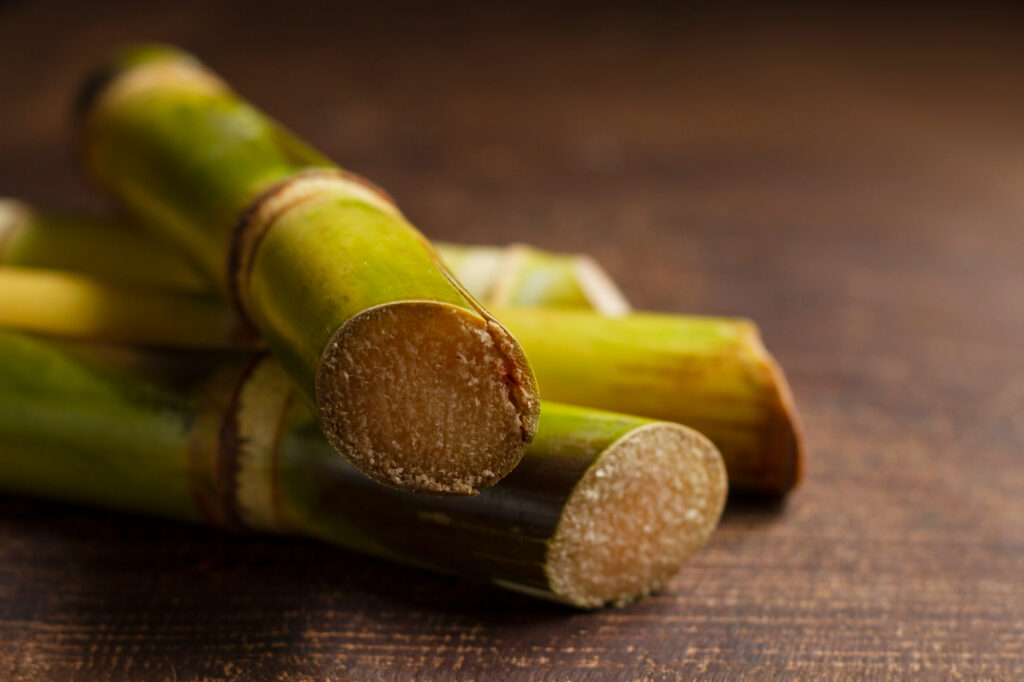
pixel 604 508
pixel 712 374
pixel 411 379
pixel 93 246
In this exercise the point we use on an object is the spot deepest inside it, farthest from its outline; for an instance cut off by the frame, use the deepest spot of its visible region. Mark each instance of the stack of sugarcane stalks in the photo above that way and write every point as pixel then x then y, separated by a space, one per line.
pixel 266 343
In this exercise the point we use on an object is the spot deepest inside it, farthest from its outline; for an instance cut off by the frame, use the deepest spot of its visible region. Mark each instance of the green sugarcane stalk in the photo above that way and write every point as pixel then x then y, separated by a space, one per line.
pixel 712 374
pixel 93 245
pixel 604 508
pixel 514 275
pixel 412 380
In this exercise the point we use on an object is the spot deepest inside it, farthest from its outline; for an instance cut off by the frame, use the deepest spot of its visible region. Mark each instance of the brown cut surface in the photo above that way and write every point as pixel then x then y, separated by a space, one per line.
pixel 648 504
pixel 421 396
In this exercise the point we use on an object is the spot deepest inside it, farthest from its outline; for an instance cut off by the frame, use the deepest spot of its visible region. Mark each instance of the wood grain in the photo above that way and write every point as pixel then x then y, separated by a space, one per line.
pixel 851 180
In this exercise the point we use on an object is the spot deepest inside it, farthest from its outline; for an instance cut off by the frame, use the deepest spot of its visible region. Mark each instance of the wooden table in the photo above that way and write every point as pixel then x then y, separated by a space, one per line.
pixel 852 181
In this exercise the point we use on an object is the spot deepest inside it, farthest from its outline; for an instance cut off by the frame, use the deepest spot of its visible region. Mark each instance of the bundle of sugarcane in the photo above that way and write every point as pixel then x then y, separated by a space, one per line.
pixel 603 508
pixel 712 374
pixel 408 376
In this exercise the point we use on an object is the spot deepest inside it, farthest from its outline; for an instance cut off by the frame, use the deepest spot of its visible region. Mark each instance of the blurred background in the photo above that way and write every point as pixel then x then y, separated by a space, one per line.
pixel 681 146
pixel 851 178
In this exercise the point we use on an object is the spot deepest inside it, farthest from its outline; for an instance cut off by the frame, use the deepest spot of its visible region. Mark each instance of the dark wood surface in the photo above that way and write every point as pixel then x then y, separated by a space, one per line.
pixel 852 181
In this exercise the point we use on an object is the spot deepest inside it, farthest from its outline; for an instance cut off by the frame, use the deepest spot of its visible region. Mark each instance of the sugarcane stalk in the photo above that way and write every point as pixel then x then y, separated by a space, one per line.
pixel 712 374
pixel 67 304
pixel 94 246
pixel 115 251
pixel 411 379
pixel 604 507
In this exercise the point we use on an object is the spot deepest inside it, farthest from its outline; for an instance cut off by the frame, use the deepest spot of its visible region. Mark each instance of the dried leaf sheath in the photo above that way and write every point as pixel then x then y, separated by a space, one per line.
pixel 603 509
pixel 351 299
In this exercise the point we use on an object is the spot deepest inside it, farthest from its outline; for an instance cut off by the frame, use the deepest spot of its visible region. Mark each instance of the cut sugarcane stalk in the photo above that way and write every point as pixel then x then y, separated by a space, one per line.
pixel 712 374
pixel 411 379
pixel 118 252
pixel 94 246
pixel 62 303
pixel 604 508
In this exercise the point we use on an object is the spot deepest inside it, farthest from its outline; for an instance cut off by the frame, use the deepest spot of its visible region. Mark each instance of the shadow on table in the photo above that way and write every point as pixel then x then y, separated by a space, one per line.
pixel 201 600
pixel 193 596
pixel 767 507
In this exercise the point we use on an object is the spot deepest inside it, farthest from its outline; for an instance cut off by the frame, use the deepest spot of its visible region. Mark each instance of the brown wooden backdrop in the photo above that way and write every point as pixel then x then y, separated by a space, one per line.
pixel 852 180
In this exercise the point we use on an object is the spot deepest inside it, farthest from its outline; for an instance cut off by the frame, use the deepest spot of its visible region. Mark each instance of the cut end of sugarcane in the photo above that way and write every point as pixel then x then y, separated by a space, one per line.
pixel 790 437
pixel 155 63
pixel 427 397
pixel 784 441
pixel 647 505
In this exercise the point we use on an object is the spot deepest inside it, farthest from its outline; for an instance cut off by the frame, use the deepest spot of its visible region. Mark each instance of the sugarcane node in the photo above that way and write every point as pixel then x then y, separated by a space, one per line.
pixel 256 220
pixel 646 505
pixel 600 290
pixel 13 215
pixel 242 419
pixel 501 286
pixel 263 404
pixel 210 450
pixel 392 368
pixel 227 450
